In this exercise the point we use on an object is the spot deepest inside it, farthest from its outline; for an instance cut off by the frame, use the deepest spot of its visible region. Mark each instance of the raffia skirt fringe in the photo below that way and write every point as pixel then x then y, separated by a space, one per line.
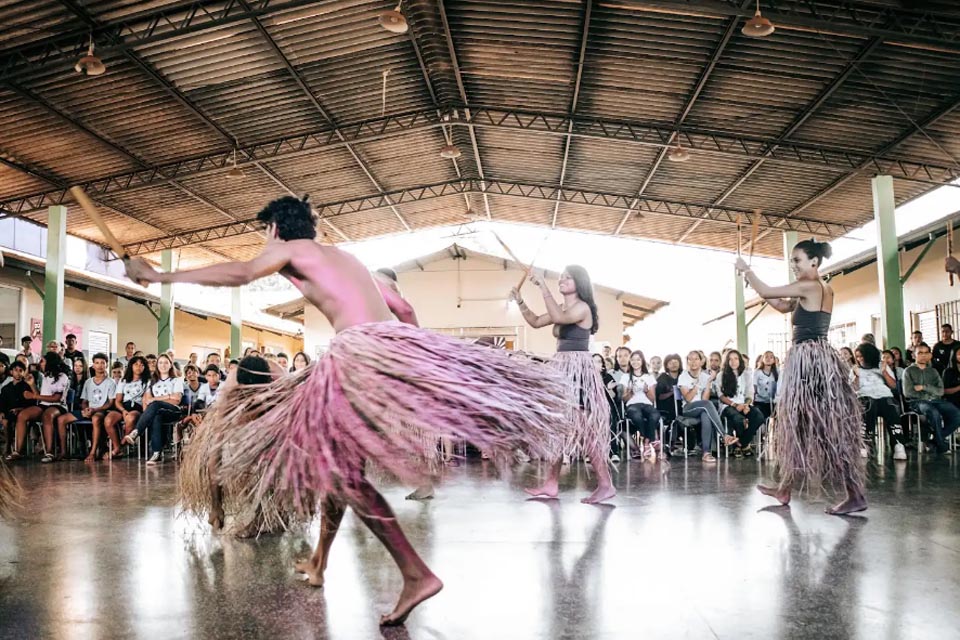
pixel 588 410
pixel 817 440
pixel 379 393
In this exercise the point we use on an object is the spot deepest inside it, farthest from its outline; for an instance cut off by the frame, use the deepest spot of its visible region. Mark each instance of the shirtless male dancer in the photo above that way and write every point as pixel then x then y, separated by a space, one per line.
pixel 315 432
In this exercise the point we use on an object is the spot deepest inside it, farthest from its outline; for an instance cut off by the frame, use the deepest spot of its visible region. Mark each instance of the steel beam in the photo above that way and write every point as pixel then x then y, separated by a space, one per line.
pixel 315 101
pixel 853 17
pixel 851 66
pixel 724 145
pixel 687 107
pixel 550 193
pixel 452 52
pixel 584 39
pixel 902 25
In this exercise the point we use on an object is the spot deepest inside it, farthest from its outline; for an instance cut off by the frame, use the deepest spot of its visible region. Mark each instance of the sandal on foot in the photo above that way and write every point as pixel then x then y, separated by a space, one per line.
pixel 709 457
pixel 13 456
pixel 47 458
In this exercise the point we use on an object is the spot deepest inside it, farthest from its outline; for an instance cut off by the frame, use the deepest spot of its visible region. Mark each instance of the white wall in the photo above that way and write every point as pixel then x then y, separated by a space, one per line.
pixel 475 298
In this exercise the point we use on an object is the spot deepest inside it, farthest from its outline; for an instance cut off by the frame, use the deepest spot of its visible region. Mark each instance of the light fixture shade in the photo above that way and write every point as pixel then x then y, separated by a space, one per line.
pixel 90 65
pixel 236 172
pixel 393 21
pixel 758 27
pixel 678 154
pixel 450 151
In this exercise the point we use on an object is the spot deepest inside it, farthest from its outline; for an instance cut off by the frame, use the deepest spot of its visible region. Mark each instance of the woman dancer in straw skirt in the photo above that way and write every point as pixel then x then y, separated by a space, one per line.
pixel 818 414
pixel 311 433
pixel 574 321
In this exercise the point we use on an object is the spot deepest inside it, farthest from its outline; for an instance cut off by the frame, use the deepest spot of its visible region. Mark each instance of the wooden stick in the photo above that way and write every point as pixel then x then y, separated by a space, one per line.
pixel 950 245
pixel 91 210
pixel 739 234
pixel 754 231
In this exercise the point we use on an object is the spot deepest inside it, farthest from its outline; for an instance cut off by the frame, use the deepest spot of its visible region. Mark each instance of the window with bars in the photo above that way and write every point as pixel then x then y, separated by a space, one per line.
pixel 843 335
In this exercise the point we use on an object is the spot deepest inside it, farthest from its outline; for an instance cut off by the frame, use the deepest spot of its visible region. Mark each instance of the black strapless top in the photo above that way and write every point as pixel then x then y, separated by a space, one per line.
pixel 572 337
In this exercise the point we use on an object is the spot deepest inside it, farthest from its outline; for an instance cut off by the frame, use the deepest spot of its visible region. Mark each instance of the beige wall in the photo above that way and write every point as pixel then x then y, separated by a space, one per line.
pixel 124 320
pixel 857 299
pixel 482 289
pixel 94 310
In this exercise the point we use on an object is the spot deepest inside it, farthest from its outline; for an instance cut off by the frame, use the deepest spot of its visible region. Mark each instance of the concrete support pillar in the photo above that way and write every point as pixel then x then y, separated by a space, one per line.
pixel 236 324
pixel 165 322
pixel 888 263
pixel 54 273
pixel 741 313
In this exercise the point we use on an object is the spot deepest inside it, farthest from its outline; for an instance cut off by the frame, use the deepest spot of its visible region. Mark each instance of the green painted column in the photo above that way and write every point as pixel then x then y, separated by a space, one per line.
pixel 789 242
pixel 165 323
pixel 54 273
pixel 236 324
pixel 888 263
pixel 741 313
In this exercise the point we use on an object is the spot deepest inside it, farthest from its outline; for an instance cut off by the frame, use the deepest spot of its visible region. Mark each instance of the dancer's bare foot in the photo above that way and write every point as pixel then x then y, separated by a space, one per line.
pixel 312 570
pixel 850 505
pixel 91 458
pixel 781 495
pixel 216 519
pixel 602 494
pixel 423 492
pixel 414 592
pixel 549 491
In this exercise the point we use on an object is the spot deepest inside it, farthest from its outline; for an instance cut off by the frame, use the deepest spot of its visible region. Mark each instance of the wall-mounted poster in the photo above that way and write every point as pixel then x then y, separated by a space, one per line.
pixel 36 332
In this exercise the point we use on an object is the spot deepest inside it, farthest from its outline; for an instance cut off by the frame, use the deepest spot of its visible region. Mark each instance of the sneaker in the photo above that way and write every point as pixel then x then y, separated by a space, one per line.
pixel 899 452
pixel 614 458
pixel 131 438
pixel 709 457
pixel 156 458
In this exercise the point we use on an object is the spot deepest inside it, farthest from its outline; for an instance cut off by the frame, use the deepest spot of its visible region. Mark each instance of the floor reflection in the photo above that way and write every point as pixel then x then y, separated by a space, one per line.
pixel 688 552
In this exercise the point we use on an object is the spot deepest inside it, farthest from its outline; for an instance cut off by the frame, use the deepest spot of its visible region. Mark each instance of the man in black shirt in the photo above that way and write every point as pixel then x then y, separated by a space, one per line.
pixel 71 353
pixel 944 351
pixel 916 339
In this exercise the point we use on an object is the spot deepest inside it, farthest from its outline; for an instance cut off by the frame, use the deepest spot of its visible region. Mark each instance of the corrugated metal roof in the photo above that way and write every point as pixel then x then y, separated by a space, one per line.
pixel 188 80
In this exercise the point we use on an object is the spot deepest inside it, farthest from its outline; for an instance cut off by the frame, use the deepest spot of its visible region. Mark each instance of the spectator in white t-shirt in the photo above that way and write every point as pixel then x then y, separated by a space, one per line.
pixel 129 350
pixel 161 404
pixel 209 389
pixel 96 397
pixel 51 402
pixel 639 394
pixel 128 402
pixel 695 385
pixel 736 398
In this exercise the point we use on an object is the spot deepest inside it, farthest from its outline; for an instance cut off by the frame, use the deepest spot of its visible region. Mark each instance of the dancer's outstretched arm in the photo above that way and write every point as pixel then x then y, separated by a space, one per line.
pixel 228 274
pixel 798 289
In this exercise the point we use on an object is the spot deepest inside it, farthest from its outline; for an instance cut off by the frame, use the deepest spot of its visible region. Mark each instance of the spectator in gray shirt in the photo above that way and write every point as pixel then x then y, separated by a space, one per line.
pixel 923 389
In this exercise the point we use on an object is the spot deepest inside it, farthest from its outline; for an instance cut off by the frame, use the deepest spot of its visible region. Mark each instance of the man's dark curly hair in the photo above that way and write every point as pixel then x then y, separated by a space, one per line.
pixel 294 218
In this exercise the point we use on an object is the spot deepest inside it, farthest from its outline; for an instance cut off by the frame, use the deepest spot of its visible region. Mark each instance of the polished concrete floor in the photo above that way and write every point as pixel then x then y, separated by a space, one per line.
pixel 688 551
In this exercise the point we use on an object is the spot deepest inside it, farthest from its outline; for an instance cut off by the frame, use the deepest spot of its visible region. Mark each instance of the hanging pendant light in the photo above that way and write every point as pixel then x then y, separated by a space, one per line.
pixel 90 65
pixel 393 21
pixel 450 151
pixel 678 154
pixel 758 26
pixel 235 172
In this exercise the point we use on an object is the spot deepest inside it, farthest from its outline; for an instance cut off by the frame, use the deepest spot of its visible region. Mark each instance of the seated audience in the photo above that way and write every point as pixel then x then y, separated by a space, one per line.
pixel 765 378
pixel 898 358
pixel 923 389
pixel 876 396
pixel 283 360
pixel 129 350
pixel 51 400
pixel 116 371
pixel 951 381
pixel 916 339
pixel 656 364
pixel 128 402
pixel 610 385
pixel 96 397
pixel 26 350
pixel 666 382
pixel 161 404
pixel 300 362
pixel 736 398
pixel 13 398
pixel 639 393
pixel 944 349
pixel 79 373
pixel 695 384
pixel 151 363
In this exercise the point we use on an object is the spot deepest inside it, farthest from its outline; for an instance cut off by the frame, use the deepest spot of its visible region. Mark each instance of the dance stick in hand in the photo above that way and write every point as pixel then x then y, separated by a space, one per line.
pixel 950 245
pixel 754 230
pixel 91 210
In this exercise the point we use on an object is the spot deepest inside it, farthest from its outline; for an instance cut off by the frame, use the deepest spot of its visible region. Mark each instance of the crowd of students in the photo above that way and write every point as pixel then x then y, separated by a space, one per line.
pixel 731 400
pixel 108 403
